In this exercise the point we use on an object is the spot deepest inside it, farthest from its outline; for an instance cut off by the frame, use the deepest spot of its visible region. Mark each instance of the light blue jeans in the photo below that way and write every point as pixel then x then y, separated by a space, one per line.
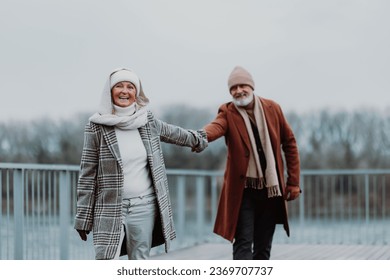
pixel 138 216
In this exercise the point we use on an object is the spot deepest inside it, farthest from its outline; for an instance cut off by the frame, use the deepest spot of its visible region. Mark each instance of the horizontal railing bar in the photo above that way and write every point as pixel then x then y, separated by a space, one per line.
pixel 344 171
pixel 38 166
pixel 195 172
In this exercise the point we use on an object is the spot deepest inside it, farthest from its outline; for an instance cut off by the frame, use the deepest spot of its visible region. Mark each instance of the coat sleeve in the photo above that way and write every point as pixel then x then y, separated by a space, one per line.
pixel 290 150
pixel 218 127
pixel 86 186
pixel 182 137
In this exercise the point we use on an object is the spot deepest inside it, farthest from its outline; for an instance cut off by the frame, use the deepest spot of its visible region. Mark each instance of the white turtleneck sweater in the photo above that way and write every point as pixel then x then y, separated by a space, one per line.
pixel 137 178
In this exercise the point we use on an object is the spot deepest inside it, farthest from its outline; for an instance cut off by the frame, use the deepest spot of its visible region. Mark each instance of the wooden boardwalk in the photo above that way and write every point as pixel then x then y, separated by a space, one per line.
pixel 223 251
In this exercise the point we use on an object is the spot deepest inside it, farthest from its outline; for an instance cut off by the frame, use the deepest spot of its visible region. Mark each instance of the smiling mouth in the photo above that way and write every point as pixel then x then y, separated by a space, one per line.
pixel 240 95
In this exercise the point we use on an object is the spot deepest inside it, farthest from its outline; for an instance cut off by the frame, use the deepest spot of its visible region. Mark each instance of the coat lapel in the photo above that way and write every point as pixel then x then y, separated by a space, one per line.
pixel 269 118
pixel 241 127
pixel 147 132
pixel 112 142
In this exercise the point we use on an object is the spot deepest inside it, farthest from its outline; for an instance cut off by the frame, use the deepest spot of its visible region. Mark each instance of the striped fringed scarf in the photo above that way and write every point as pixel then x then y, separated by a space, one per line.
pixel 255 177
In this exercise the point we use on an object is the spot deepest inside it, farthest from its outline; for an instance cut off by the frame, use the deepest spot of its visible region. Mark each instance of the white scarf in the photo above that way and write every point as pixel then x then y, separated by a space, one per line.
pixel 131 117
pixel 254 167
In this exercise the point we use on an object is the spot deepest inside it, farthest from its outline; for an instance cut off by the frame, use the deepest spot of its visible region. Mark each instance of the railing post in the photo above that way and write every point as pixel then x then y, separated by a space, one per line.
pixel 1 210
pixel 18 214
pixel 214 198
pixel 200 206
pixel 64 202
pixel 367 197
pixel 181 205
pixel 302 203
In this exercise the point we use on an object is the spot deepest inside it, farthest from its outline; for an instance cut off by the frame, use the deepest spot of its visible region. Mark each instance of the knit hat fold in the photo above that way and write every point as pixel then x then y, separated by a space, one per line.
pixel 240 76
pixel 125 75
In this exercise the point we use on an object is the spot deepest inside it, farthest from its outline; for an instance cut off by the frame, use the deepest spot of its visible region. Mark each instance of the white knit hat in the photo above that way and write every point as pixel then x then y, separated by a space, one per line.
pixel 125 75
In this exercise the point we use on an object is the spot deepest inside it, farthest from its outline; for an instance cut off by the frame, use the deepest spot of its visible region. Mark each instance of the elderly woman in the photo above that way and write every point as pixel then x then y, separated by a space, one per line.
pixel 122 192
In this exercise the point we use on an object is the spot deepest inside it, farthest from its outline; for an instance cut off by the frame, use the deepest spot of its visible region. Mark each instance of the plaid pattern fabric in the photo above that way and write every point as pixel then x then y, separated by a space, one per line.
pixel 100 183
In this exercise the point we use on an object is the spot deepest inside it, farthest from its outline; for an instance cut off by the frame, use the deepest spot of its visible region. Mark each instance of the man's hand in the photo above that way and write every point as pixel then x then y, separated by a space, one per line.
pixel 83 234
pixel 292 192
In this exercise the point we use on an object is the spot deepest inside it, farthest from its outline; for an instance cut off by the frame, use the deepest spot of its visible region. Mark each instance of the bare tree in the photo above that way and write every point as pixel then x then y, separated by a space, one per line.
pixel 357 139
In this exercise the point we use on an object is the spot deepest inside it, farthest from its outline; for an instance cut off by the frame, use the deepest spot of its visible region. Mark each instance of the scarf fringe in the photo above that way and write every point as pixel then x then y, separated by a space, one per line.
pixel 255 183
pixel 273 191
pixel 260 183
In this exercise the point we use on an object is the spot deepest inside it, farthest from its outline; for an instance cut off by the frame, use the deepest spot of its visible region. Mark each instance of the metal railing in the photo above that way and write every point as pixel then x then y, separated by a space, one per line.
pixel 341 207
pixel 38 202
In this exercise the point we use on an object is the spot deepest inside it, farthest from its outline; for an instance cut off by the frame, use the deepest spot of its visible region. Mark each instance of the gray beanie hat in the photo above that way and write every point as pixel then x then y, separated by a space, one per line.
pixel 240 76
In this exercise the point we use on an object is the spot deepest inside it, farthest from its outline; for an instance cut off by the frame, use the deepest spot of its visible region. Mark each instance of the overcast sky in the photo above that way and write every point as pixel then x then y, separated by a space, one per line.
pixel 304 54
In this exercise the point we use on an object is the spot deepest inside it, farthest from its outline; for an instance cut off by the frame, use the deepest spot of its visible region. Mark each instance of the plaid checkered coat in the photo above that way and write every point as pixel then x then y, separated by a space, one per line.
pixel 100 183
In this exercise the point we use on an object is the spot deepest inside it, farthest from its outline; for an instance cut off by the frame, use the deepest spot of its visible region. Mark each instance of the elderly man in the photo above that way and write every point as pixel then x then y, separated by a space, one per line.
pixel 254 192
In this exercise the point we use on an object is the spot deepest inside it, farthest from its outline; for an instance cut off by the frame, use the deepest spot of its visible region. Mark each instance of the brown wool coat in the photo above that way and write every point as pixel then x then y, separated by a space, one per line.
pixel 230 124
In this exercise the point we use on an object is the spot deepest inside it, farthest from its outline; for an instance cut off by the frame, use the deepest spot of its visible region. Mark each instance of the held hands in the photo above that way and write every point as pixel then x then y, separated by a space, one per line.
pixel 202 142
pixel 83 234
pixel 292 192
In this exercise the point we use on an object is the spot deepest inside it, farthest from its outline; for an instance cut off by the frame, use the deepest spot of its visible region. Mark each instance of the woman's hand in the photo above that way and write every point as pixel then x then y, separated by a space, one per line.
pixel 83 234
pixel 202 141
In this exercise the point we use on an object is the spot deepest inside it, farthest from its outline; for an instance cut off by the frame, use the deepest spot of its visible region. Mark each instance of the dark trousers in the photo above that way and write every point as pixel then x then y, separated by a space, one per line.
pixel 255 227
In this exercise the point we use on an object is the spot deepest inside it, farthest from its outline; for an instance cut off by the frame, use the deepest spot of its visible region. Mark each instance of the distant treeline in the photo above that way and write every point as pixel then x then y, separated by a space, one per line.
pixel 326 139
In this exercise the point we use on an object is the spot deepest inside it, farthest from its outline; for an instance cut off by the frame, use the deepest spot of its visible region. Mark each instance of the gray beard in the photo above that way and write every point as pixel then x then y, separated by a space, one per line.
pixel 243 102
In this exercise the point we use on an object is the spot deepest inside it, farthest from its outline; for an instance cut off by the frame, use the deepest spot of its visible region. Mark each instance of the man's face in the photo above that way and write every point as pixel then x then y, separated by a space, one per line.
pixel 242 95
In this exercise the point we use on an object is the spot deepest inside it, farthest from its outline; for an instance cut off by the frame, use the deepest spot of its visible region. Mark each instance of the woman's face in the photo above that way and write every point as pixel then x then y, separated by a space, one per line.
pixel 123 94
